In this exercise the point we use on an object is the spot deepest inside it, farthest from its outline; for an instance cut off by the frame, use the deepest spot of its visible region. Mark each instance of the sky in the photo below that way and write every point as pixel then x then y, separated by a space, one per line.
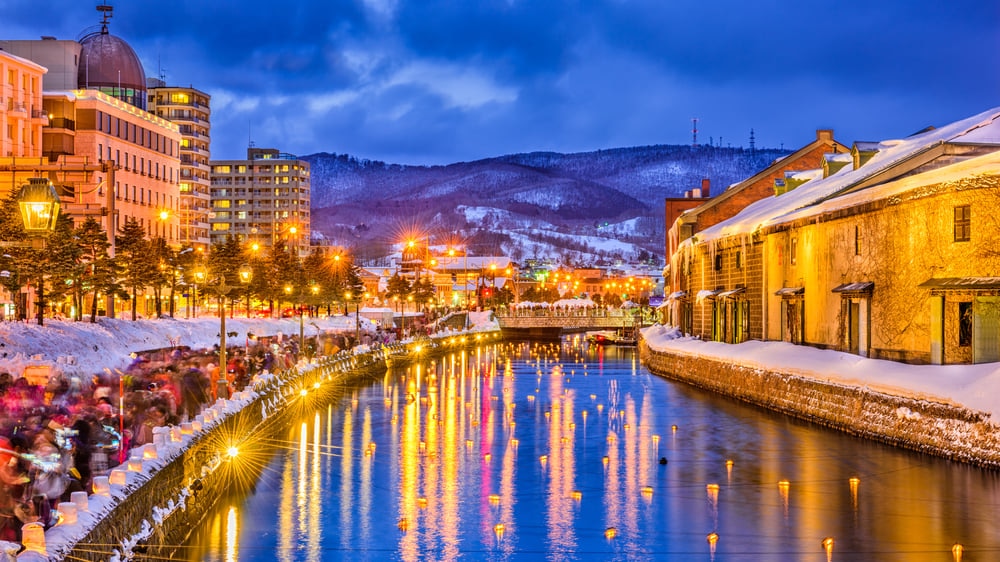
pixel 436 82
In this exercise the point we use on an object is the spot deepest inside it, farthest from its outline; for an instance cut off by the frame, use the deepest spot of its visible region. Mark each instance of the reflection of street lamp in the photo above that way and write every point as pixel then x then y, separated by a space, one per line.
pixel 39 204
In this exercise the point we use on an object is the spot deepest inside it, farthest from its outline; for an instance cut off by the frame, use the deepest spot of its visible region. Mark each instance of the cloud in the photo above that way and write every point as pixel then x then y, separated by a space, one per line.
pixel 228 101
pixel 459 86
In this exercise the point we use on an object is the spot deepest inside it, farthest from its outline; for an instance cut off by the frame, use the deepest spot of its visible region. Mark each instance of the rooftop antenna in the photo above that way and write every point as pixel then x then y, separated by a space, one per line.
pixel 694 131
pixel 106 10
pixel 160 71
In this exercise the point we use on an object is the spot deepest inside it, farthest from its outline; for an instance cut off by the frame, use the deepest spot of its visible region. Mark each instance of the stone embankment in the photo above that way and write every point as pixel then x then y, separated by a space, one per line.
pixel 935 428
pixel 157 502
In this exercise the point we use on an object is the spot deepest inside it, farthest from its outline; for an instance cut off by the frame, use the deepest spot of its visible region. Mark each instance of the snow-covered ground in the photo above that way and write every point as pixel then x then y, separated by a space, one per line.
pixel 974 386
pixel 84 348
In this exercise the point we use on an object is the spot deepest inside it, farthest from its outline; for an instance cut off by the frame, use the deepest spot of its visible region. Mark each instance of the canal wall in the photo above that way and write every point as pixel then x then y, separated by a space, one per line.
pixel 153 512
pixel 936 428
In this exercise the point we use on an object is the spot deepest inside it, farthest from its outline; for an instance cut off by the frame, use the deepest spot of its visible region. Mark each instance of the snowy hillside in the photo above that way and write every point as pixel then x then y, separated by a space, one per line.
pixel 527 205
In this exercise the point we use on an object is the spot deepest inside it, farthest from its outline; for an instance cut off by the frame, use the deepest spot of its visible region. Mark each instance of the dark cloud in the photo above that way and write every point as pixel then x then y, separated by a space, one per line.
pixel 441 81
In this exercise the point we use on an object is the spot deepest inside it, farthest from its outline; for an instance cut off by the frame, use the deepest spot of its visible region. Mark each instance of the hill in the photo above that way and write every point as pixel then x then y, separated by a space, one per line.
pixel 582 208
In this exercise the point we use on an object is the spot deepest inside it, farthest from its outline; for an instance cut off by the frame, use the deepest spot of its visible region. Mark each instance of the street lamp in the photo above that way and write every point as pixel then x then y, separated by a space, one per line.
pixel 39 204
pixel 357 317
pixel 246 275
pixel 222 383
pixel 199 277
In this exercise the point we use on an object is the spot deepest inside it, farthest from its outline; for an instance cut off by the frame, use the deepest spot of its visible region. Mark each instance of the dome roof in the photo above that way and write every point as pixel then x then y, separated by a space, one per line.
pixel 107 63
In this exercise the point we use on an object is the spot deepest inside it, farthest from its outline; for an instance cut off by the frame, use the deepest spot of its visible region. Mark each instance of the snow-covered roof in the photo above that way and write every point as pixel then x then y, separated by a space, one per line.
pixel 778 209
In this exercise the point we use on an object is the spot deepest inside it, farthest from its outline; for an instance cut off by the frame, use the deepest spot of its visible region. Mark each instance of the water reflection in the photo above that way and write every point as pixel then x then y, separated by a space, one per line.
pixel 515 452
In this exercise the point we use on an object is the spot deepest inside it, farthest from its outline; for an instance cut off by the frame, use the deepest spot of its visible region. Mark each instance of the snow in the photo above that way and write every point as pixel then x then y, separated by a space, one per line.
pixel 976 387
pixel 84 348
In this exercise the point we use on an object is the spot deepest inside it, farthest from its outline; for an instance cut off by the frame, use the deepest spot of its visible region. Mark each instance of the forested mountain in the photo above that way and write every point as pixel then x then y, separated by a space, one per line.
pixel 583 208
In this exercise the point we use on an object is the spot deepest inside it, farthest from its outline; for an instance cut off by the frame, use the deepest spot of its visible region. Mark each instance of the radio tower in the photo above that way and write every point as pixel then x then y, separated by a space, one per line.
pixel 752 146
pixel 694 132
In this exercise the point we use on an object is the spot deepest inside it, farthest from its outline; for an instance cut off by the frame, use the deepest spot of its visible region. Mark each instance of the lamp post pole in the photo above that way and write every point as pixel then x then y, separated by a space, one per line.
pixel 222 383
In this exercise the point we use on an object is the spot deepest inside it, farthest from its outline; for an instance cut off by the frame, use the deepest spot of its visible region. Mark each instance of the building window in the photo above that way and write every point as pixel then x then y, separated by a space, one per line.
pixel 718 262
pixel 739 260
pixel 964 324
pixel 791 253
pixel 963 223
pixel 857 240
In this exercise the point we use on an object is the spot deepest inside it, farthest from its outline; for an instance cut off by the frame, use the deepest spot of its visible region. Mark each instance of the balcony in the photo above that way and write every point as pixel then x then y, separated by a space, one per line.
pixel 61 123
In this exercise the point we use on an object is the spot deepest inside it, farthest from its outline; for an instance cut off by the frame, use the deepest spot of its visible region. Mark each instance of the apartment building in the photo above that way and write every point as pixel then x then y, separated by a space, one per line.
pixel 189 109
pixel 262 200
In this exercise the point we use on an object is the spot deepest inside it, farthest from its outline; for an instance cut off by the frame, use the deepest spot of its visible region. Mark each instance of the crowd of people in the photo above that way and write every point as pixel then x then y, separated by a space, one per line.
pixel 55 437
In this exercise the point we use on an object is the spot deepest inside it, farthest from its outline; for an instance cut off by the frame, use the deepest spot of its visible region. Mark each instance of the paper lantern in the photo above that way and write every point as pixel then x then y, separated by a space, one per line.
pixel 67 513
pixel 101 485
pixel 33 537
pixel 81 500
pixel 119 477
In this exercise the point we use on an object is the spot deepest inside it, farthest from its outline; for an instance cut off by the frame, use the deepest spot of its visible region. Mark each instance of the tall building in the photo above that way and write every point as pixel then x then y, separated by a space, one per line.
pixel 189 108
pixel 263 199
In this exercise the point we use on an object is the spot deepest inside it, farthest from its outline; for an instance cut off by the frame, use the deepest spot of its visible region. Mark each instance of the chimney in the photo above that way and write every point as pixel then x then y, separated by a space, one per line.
pixel 824 134
pixel 704 188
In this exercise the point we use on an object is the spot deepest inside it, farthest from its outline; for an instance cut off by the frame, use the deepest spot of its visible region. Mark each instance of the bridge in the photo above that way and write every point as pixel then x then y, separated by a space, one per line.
pixel 552 323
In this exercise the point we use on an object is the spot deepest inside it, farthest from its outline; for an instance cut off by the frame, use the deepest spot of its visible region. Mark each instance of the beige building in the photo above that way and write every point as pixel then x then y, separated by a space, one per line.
pixel 189 108
pixel 22 116
pixel 890 255
pixel 262 200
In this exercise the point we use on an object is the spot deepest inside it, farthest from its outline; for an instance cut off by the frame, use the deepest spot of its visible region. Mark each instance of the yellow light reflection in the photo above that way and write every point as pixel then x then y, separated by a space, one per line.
pixel 232 535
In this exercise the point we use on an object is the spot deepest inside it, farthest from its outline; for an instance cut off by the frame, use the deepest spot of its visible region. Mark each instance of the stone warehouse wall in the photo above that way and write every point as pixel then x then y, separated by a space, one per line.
pixel 930 427
pixel 158 513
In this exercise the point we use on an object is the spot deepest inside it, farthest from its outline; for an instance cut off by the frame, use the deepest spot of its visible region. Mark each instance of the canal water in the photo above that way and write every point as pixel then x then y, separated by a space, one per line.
pixel 522 451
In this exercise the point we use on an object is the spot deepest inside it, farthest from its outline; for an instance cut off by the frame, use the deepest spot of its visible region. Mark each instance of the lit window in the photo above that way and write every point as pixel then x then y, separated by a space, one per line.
pixel 221 203
pixel 220 226
pixel 791 253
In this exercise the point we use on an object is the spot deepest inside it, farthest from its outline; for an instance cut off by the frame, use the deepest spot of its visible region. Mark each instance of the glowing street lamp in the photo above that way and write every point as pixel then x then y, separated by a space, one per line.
pixel 199 277
pixel 39 205
pixel 246 275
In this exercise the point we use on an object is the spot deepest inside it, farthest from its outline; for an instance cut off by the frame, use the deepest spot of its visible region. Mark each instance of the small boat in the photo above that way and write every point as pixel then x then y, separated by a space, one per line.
pixel 600 336
pixel 621 336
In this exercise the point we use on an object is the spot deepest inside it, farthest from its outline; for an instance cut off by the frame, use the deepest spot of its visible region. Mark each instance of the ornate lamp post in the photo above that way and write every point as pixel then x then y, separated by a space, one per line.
pixel 39 205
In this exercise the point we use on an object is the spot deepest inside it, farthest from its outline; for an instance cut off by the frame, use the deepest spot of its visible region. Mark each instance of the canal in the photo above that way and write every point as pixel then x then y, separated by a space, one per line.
pixel 522 451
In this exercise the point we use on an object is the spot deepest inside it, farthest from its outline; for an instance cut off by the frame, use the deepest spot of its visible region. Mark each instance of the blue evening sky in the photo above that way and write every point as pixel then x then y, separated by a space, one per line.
pixel 434 82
